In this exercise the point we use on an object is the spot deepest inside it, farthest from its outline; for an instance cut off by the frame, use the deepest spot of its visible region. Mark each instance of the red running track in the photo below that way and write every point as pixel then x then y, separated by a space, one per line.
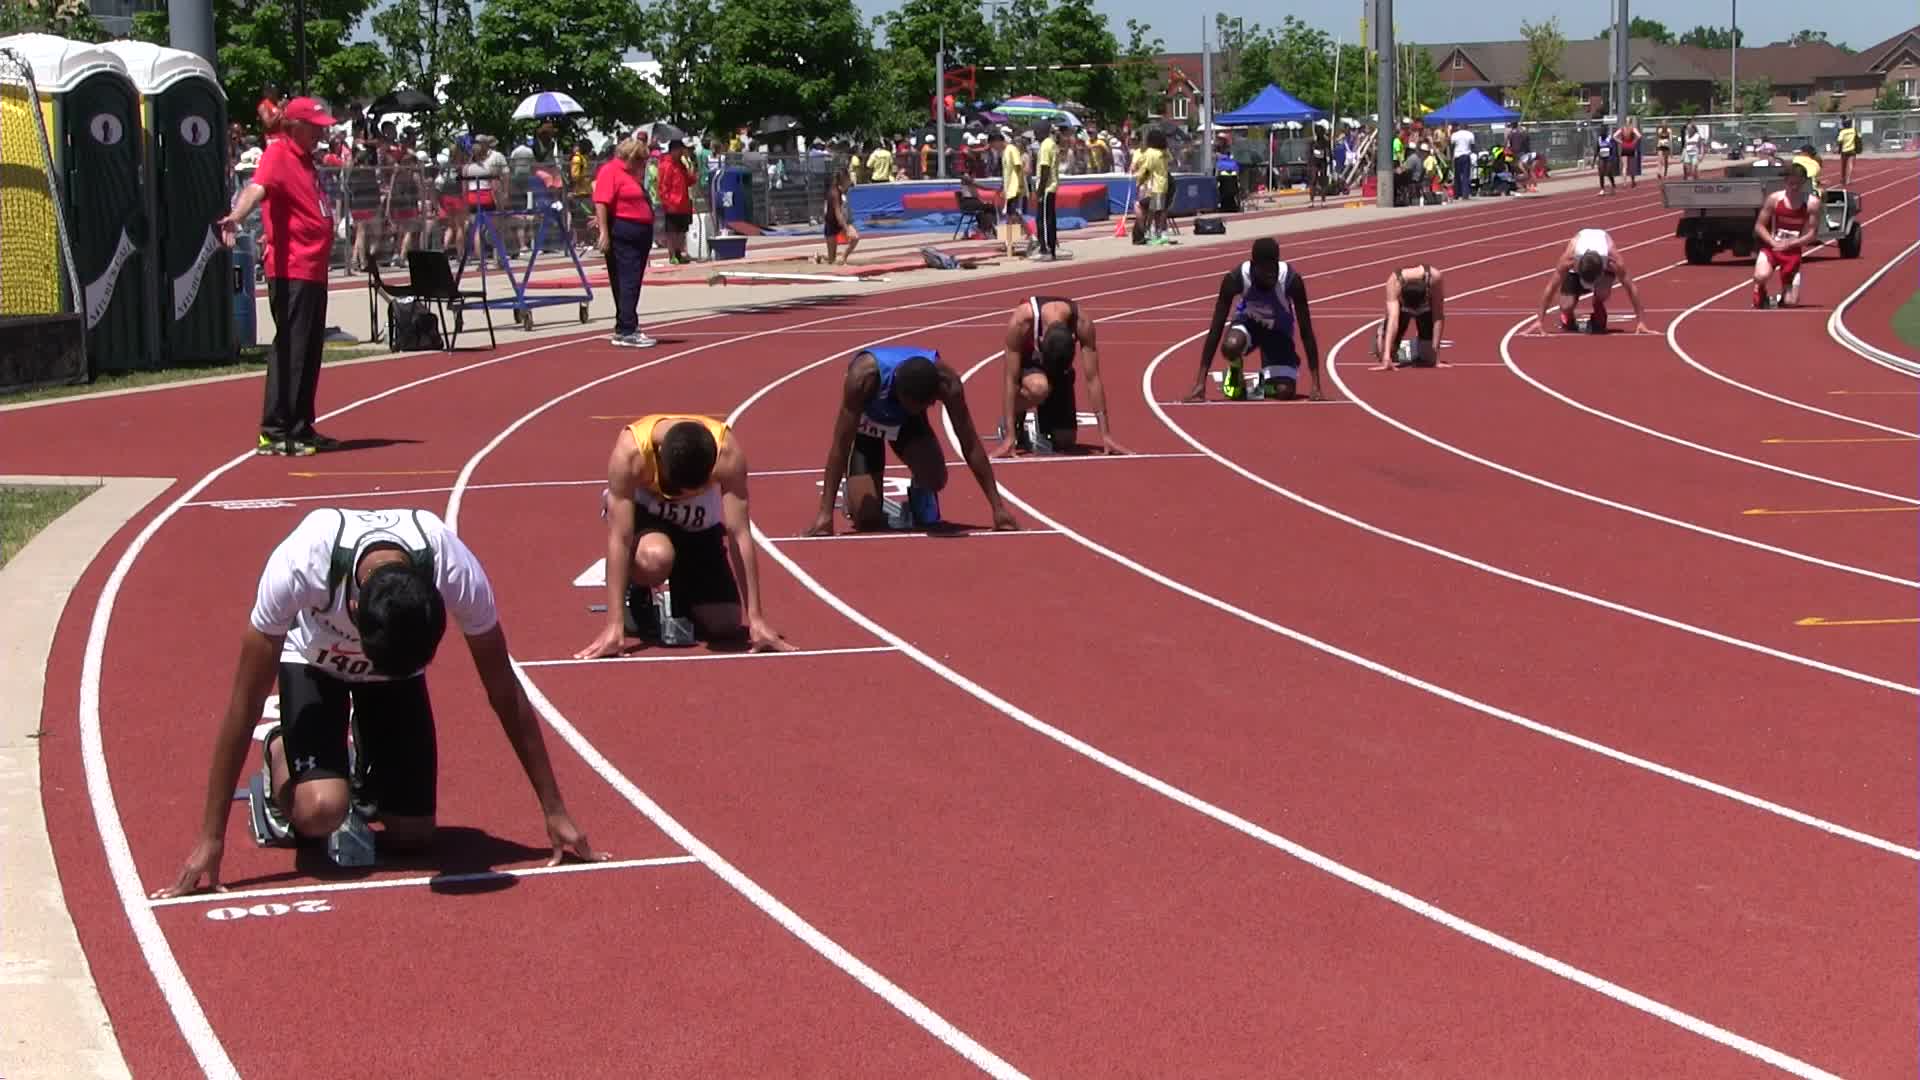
pixel 1163 791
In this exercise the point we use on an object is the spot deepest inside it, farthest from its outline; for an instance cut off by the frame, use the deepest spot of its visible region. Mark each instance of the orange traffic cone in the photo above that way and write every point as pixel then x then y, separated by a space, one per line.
pixel 1120 228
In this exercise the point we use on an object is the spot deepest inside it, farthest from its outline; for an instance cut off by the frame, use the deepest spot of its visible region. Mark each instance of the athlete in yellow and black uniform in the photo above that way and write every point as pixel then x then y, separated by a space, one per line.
pixel 676 511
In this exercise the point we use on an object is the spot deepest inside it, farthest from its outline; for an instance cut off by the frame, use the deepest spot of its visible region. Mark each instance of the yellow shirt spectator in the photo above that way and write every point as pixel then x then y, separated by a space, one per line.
pixel 1150 171
pixel 1812 165
pixel 880 165
pixel 1013 168
pixel 1849 141
pixel 1049 165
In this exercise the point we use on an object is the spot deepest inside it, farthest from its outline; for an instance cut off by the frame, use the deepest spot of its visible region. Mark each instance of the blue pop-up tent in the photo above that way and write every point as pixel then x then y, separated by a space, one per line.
pixel 1472 107
pixel 1270 106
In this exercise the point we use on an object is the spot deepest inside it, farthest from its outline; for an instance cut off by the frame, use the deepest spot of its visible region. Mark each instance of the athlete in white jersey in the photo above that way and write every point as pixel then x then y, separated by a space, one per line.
pixel 349 611
pixel 1258 308
pixel 1590 263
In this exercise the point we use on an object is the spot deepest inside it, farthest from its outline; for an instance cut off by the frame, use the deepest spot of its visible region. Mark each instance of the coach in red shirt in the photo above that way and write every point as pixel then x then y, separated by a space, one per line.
pixel 299 246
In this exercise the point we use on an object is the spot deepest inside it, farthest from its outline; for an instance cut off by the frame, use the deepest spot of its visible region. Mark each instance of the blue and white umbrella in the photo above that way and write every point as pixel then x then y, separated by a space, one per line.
pixel 548 103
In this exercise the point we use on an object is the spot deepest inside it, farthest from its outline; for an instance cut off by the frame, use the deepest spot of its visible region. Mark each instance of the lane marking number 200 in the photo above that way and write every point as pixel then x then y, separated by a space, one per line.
pixel 268 910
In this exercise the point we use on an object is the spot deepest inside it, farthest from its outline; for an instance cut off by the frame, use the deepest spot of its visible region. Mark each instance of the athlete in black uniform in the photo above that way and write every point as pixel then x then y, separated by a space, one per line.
pixel 1043 337
pixel 1417 298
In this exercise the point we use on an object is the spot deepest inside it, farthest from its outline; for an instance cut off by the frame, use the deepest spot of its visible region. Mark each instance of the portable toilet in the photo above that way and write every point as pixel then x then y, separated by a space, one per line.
pixel 93 124
pixel 183 115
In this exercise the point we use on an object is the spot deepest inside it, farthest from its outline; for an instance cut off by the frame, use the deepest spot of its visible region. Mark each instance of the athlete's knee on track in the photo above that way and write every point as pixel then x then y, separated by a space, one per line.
pixel 1234 345
pixel 652 559
pixel 319 806
pixel 1034 388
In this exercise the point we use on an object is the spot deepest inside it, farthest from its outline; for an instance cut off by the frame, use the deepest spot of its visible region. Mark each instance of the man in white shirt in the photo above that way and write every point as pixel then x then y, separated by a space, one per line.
pixel 1590 264
pixel 349 611
pixel 1462 161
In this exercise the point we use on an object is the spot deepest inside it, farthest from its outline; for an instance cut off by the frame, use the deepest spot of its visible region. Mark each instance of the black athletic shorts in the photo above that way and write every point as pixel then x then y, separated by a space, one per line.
pixel 702 574
pixel 869 457
pixel 1572 286
pixel 679 222
pixel 1061 410
pixel 393 726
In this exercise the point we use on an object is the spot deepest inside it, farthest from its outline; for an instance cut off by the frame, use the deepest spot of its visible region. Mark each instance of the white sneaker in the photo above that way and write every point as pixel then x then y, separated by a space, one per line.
pixel 639 340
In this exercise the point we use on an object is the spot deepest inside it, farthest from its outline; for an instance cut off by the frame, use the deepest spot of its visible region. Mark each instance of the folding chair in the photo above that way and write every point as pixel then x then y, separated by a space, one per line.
pixel 377 290
pixel 432 280
pixel 970 208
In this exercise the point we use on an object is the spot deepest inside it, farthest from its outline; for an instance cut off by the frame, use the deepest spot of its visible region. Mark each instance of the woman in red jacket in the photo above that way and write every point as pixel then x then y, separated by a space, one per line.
pixel 625 217
pixel 676 198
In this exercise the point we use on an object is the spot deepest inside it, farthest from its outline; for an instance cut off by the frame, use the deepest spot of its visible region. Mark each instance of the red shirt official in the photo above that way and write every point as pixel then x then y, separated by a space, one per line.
pixel 625 197
pixel 297 216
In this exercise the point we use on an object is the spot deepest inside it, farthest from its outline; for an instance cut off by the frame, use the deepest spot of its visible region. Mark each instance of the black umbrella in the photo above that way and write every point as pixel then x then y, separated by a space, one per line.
pixel 404 101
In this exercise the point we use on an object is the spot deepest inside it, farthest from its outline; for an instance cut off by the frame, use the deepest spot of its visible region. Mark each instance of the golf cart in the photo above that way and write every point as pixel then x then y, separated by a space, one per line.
pixel 1719 214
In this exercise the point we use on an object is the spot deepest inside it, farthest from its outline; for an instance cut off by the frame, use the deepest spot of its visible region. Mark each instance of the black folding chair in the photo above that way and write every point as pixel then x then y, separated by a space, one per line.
pixel 379 290
pixel 433 281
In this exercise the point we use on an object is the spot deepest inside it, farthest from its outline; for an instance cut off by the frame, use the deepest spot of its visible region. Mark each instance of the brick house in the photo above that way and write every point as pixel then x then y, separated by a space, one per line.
pixel 1665 78
pixel 1659 77
pixel 1855 82
pixel 1185 75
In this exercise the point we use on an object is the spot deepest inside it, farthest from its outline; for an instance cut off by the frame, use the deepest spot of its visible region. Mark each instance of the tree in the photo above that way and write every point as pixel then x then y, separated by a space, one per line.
pixel 259 47
pixel 1142 79
pixel 521 47
pixel 63 18
pixel 1713 37
pixel 1546 95
pixel 1650 29
pixel 676 39
pixel 1074 33
pixel 809 59
pixel 1756 95
pixel 913 37
pixel 1891 99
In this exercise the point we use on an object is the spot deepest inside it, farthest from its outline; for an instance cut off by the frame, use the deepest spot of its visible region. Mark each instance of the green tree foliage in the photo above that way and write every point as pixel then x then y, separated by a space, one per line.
pixel 676 39
pixel 1072 32
pixel 65 18
pixel 1547 95
pixel 809 59
pixel 1713 37
pixel 1142 78
pixel 905 66
pixel 258 48
pixel 1892 100
pixel 1756 95
pixel 1647 29
pixel 521 47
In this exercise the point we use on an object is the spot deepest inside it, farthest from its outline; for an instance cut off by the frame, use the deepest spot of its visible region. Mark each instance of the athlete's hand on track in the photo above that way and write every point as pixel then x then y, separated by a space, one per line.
pixel 565 836
pixel 822 525
pixel 205 861
pixel 1641 328
pixel 764 638
pixel 611 642
pixel 1318 394
pixel 1109 446
pixel 1198 393
pixel 1003 521
pixel 1005 448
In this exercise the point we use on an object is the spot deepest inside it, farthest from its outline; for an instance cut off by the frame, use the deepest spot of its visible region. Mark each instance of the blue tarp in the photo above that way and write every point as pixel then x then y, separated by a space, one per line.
pixel 1472 107
pixel 1270 106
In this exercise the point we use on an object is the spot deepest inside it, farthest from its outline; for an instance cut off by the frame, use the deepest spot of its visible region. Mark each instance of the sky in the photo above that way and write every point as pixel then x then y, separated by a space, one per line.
pixel 1857 23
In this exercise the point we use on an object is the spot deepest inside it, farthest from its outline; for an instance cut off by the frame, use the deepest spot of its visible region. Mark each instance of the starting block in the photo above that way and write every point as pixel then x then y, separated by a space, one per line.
pixel 659 624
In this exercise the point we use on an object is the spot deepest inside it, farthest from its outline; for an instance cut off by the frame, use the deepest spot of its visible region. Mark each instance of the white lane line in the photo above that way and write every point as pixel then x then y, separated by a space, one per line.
pixel 201 1039
pixel 429 880
pixel 1838 329
pixel 1673 341
pixel 914 534
pixel 1333 372
pixel 1510 575
pixel 1408 679
pixel 695 657
pixel 1351 876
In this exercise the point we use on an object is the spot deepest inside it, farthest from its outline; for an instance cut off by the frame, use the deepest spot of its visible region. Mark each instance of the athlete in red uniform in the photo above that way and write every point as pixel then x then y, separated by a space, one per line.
pixel 1785 229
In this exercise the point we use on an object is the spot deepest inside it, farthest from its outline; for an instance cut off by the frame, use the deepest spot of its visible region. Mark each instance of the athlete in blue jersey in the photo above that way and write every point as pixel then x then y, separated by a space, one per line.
pixel 885 399
pixel 1261 303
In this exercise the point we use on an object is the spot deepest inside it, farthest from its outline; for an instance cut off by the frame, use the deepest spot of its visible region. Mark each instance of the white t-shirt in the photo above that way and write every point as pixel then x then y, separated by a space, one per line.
pixel 293 597
pixel 1462 143
pixel 1592 242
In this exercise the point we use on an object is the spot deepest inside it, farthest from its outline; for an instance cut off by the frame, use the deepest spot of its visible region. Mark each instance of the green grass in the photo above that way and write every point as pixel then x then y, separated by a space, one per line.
pixel 24 511
pixel 251 360
pixel 1906 321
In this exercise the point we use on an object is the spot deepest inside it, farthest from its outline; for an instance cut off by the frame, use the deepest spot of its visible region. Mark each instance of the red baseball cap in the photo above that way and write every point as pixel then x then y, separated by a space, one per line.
pixel 307 110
